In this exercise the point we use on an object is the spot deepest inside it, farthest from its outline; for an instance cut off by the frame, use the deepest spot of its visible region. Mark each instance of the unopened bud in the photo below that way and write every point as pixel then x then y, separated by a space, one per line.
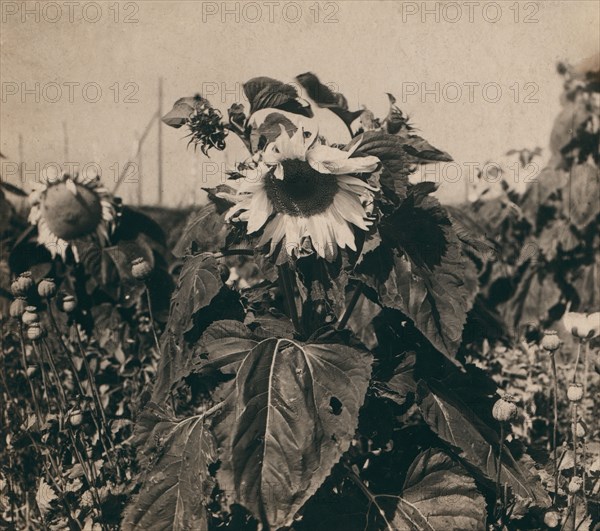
pixel 581 429
pixel 140 269
pixel 75 418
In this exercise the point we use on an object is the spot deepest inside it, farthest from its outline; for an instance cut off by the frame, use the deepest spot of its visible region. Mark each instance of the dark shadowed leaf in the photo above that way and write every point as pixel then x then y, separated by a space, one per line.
pixel 477 444
pixel 205 229
pixel 290 414
pixel 581 203
pixel 177 483
pixel 402 383
pixel 199 282
pixel 223 344
pixel 438 495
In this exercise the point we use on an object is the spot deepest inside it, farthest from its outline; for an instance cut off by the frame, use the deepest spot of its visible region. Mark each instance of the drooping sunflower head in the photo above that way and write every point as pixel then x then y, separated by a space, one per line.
pixel 70 208
pixel 299 188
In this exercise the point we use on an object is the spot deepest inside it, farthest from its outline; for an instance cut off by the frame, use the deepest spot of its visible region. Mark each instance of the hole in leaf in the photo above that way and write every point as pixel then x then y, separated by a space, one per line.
pixel 335 406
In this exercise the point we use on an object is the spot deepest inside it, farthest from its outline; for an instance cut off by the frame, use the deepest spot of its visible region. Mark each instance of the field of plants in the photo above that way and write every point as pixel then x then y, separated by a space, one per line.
pixel 322 346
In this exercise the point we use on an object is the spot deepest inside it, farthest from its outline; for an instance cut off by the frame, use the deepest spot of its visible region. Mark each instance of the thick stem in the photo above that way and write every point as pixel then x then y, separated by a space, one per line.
pixel 286 280
pixel 351 305
pixel 61 392
pixel 574 437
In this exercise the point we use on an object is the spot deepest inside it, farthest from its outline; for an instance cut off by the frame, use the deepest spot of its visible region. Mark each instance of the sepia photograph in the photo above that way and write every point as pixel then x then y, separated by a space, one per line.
pixel 300 265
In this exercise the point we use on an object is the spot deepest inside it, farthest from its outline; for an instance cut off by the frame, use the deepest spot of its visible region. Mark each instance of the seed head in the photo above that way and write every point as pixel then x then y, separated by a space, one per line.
pixel 550 341
pixel 504 410
pixel 35 331
pixel 25 283
pixel 69 303
pixel 47 288
pixel 575 485
pixel 30 315
pixel 552 519
pixel 17 307
pixel 575 392
pixel 141 269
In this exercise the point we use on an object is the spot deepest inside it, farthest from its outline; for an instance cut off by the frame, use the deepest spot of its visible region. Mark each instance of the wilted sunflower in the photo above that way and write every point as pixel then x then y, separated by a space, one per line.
pixel 67 209
pixel 300 188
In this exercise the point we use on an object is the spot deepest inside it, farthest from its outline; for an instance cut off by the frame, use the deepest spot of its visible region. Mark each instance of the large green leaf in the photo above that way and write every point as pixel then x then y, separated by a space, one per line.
pixel 475 443
pixel 438 495
pixel 177 484
pixel 421 270
pixel 182 109
pixel 289 415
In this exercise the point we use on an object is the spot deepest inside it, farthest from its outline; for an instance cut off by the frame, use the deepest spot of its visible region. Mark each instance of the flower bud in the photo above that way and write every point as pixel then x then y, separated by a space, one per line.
pixel 17 307
pixel 575 485
pixel 141 269
pixel 30 315
pixel 504 410
pixel 575 392
pixel 47 288
pixel 69 303
pixel 552 519
pixel 25 282
pixel 35 331
pixel 550 341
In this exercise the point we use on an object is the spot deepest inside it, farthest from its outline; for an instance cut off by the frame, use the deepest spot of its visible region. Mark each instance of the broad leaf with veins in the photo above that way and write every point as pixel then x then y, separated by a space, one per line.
pixel 290 414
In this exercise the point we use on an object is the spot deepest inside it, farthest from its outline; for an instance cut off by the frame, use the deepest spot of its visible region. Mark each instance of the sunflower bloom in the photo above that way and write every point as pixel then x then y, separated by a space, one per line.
pixel 67 209
pixel 300 188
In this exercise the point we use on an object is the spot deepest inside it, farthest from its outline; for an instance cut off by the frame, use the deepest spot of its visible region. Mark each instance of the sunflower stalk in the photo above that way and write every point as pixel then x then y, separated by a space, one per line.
pixel 36 405
pixel 351 305
pixel 285 274
pixel 152 326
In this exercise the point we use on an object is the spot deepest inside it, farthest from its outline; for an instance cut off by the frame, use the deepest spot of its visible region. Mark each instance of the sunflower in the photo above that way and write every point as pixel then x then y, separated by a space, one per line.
pixel 299 188
pixel 67 209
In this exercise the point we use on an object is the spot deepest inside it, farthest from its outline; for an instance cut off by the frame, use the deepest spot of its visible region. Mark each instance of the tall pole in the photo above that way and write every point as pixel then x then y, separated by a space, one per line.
pixel 139 172
pixel 21 161
pixel 160 147
pixel 66 141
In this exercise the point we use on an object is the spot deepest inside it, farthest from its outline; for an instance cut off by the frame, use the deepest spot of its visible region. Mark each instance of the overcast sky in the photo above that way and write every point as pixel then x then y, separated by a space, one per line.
pixel 477 78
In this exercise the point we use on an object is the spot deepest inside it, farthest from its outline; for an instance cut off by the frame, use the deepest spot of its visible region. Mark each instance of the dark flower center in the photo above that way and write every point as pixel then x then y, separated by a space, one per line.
pixel 69 216
pixel 303 191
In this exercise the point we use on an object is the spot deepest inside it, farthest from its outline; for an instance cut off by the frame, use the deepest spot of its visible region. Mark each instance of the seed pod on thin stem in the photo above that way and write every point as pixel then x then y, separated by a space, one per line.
pixel 25 283
pixel 141 269
pixel 69 304
pixel 35 331
pixel 575 392
pixel 550 342
pixel 30 315
pixel 504 410
pixel 47 288
pixel 17 307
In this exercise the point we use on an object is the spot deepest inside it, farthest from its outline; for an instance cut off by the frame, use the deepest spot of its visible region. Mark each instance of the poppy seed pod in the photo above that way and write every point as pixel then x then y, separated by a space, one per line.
pixel 30 315
pixel 575 392
pixel 550 341
pixel 47 288
pixel 25 282
pixel 552 519
pixel 575 485
pixel 140 269
pixel 504 410
pixel 35 331
pixel 15 288
pixel 17 307
pixel 69 303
